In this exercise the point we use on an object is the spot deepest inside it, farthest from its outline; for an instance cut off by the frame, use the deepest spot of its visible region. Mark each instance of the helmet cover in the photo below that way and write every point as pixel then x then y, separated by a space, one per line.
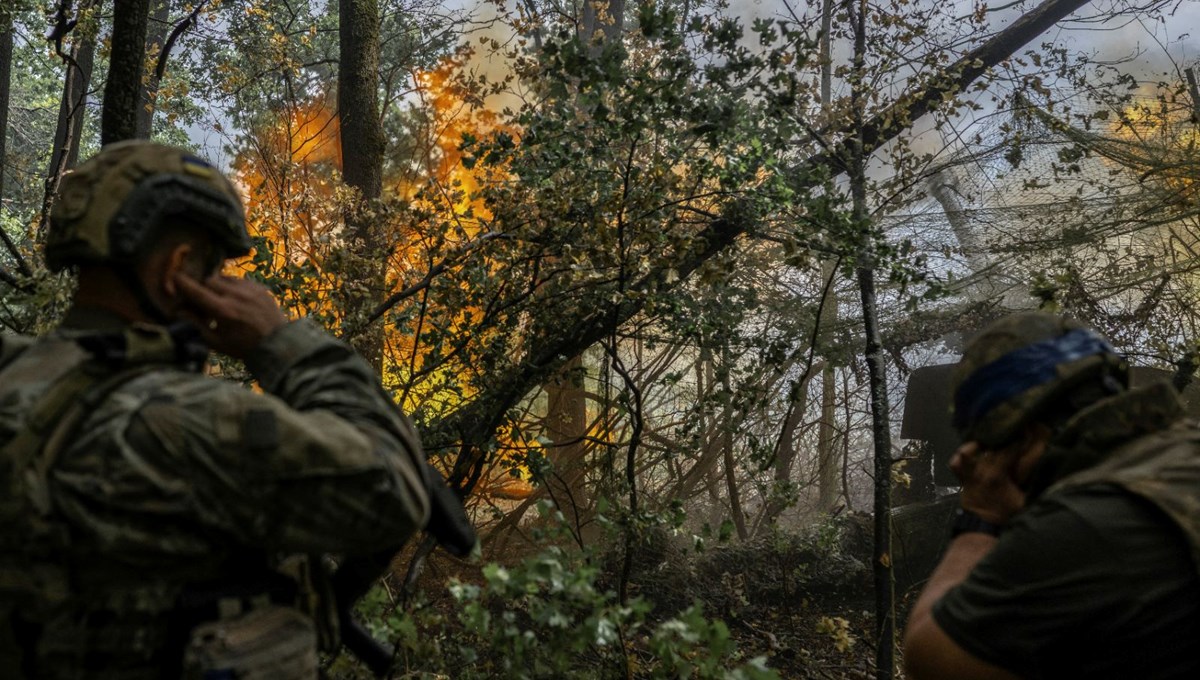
pixel 1020 367
pixel 114 204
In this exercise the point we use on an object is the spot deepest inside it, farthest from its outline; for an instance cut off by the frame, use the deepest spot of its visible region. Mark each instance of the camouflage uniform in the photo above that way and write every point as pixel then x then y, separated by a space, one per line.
pixel 178 482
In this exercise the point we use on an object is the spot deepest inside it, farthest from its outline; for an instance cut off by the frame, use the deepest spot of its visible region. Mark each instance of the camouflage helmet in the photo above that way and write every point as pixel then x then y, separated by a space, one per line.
pixel 110 207
pixel 1029 367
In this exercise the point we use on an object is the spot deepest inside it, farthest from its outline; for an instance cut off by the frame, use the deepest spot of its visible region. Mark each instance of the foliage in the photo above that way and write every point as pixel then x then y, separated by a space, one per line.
pixel 838 629
pixel 615 271
pixel 547 617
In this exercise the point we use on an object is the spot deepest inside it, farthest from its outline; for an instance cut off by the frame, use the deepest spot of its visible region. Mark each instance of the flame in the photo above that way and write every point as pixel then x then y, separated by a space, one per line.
pixel 316 136
pixel 289 182
pixel 290 177
pixel 455 118
pixel 1161 142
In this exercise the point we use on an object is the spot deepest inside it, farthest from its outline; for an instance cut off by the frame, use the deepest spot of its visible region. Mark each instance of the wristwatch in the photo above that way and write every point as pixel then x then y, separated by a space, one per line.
pixel 966 521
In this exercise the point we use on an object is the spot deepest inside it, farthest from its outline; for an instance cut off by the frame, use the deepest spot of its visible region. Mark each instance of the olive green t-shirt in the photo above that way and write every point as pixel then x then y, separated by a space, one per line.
pixel 1089 583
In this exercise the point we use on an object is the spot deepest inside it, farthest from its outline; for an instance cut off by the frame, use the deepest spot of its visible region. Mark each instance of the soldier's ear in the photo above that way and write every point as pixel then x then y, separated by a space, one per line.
pixel 180 259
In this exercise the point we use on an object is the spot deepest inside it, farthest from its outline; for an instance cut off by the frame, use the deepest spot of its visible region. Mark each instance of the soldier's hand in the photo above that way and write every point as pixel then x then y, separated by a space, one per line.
pixel 234 315
pixel 989 486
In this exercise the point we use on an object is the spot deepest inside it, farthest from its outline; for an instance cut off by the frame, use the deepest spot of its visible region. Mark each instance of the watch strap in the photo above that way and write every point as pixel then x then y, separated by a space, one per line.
pixel 966 521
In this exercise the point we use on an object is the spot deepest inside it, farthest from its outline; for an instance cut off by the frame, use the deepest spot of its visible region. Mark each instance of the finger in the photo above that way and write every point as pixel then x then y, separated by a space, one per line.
pixel 238 288
pixel 968 448
pixel 224 284
pixel 198 293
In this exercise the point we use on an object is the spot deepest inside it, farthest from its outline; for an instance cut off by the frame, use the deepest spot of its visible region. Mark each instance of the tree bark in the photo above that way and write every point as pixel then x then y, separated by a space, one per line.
pixel 72 108
pixel 6 50
pixel 884 579
pixel 828 461
pixel 731 486
pixel 362 158
pixel 77 80
pixel 156 48
pixel 123 91
pixel 885 586
pixel 566 425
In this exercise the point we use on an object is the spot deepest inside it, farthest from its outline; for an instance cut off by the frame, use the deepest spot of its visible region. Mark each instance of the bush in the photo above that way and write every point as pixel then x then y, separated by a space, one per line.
pixel 545 618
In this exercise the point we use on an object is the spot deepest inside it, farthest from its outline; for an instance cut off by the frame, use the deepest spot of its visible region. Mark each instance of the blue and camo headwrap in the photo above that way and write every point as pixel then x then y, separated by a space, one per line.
pixel 1022 370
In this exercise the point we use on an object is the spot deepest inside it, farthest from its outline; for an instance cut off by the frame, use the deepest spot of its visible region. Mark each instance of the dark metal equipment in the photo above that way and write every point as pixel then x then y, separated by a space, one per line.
pixel 927 412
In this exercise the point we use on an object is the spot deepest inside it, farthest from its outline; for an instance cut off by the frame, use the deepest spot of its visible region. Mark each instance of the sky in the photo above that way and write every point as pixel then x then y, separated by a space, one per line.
pixel 1152 49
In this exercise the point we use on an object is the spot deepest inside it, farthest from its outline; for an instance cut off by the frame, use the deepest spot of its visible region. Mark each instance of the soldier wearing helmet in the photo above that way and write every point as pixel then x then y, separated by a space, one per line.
pixel 1076 552
pixel 155 518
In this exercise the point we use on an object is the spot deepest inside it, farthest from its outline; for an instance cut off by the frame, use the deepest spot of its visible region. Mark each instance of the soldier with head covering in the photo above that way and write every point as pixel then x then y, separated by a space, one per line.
pixel 155 519
pixel 1076 552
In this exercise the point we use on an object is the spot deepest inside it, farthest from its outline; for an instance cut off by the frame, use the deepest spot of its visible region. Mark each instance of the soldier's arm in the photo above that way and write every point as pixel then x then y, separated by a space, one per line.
pixel 321 463
pixel 990 492
pixel 326 459
pixel 929 653
pixel 338 416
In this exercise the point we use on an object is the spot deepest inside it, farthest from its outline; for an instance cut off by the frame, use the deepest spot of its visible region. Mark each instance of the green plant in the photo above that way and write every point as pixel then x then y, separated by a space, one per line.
pixel 546 618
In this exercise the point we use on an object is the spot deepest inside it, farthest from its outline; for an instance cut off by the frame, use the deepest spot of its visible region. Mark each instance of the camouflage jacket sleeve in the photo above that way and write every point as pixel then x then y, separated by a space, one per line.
pixel 322 462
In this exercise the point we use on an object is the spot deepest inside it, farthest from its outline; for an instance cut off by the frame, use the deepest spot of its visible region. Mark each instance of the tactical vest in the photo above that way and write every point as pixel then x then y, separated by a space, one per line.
pixel 52 386
pixel 1162 467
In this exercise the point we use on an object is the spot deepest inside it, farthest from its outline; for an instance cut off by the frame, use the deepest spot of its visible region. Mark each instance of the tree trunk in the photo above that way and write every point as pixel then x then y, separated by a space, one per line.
pixel 828 460
pixel 72 108
pixel 785 457
pixel 362 160
pixel 6 50
pixel 155 46
pixel 123 91
pixel 786 450
pixel 731 486
pixel 566 425
pixel 884 579
pixel 885 585
pixel 735 497
pixel 77 80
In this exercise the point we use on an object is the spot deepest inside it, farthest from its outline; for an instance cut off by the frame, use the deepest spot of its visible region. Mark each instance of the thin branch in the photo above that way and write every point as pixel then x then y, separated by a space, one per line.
pixel 1194 90
pixel 421 285
pixel 161 67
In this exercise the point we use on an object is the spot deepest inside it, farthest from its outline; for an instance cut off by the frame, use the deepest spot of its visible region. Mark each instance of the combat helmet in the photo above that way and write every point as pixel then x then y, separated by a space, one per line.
pixel 1029 367
pixel 111 206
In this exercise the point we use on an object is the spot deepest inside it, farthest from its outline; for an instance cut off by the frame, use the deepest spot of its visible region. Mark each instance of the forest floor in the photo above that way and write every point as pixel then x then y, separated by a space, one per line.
pixel 825 641
pixel 823 629
pixel 802 601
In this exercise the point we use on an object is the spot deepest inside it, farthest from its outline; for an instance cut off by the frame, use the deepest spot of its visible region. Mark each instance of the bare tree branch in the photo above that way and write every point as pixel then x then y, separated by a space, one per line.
pixel 161 67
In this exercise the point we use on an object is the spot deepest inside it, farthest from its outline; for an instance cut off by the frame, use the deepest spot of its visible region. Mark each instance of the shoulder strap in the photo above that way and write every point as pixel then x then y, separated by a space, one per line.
pixel 54 420
pixel 56 416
